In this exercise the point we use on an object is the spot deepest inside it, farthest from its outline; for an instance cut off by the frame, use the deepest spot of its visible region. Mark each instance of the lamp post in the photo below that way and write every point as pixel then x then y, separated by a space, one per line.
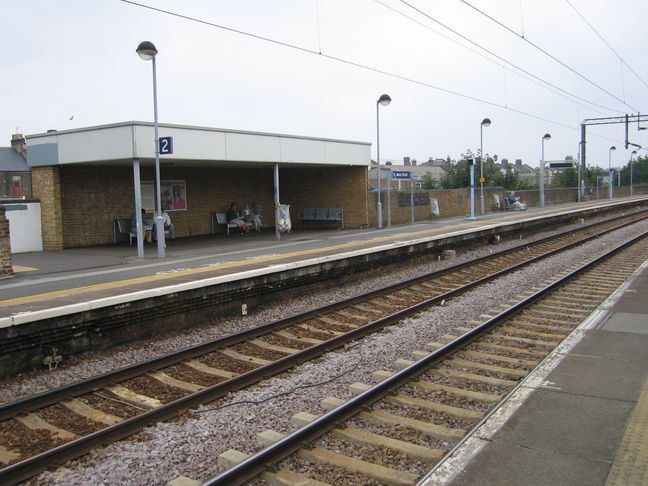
pixel 147 51
pixel 471 163
pixel 485 123
pixel 634 152
pixel 611 175
pixel 384 100
pixel 542 165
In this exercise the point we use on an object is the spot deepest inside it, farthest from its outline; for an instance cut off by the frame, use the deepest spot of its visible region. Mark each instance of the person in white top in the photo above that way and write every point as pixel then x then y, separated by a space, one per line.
pixel 168 226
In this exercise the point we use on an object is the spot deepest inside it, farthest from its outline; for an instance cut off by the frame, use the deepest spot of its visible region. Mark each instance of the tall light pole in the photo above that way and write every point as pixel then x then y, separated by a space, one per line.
pixel 384 100
pixel 471 163
pixel 147 51
pixel 542 167
pixel 634 152
pixel 611 175
pixel 485 123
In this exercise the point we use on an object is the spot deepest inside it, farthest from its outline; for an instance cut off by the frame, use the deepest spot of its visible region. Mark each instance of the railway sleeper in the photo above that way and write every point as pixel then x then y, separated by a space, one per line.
pixel 279 477
pixel 489 380
pixel 500 333
pixel 288 335
pixel 358 436
pixel 408 401
pixel 489 356
pixel 433 387
pixel 34 422
pixel 198 366
pixel 537 354
pixel 463 364
pixel 562 326
pixel 505 337
pixel 321 455
pixel 385 418
pixel 312 328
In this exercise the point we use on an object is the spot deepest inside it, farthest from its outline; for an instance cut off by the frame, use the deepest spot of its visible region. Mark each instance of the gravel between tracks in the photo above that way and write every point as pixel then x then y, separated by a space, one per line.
pixel 189 446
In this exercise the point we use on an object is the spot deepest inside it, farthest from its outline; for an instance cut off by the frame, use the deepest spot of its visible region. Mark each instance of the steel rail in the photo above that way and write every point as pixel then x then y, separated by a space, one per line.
pixel 254 465
pixel 88 385
pixel 24 469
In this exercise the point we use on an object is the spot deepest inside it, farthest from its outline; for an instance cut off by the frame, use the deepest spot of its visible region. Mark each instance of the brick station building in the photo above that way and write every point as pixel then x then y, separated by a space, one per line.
pixel 85 178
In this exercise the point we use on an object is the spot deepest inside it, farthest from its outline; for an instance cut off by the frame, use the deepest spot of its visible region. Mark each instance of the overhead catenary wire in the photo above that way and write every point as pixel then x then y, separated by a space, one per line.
pixel 476 44
pixel 546 53
pixel 606 43
pixel 529 77
pixel 355 64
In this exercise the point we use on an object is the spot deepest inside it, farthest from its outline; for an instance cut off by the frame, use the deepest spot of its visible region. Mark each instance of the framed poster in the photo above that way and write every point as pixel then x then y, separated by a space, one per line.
pixel 173 195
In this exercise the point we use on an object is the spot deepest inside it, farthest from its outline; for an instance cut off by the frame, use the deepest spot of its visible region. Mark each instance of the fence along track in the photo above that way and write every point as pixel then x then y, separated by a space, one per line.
pixel 74 419
pixel 395 432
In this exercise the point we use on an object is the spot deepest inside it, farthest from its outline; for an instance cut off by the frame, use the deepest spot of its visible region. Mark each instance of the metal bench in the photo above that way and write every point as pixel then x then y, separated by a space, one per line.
pixel 219 219
pixel 323 214
pixel 123 227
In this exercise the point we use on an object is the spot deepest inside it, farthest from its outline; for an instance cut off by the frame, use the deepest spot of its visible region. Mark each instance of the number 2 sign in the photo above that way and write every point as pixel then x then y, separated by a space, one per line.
pixel 166 145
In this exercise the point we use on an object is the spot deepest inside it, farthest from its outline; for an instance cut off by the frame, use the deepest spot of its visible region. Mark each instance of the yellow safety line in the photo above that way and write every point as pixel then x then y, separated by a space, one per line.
pixel 256 259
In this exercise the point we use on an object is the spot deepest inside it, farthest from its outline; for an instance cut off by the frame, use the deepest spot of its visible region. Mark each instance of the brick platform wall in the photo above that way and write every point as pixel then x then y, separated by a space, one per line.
pixel 46 187
pixel 6 269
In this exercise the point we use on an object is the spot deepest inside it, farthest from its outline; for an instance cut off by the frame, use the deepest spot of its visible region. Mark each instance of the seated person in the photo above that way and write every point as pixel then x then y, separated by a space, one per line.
pixel 146 226
pixel 234 218
pixel 168 226
pixel 251 218
pixel 515 202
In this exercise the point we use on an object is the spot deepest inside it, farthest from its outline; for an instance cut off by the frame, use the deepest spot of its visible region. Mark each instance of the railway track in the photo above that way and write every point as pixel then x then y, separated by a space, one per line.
pixel 56 426
pixel 394 432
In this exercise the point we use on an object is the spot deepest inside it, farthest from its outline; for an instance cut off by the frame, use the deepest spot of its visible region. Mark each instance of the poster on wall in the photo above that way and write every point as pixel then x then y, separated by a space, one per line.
pixel 173 195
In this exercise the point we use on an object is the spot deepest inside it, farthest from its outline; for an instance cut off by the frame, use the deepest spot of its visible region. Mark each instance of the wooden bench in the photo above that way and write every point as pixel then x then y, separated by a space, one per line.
pixel 323 214
pixel 219 219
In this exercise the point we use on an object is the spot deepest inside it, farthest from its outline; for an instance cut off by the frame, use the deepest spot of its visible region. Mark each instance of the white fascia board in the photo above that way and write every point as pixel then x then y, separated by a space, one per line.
pixel 72 147
pixel 348 153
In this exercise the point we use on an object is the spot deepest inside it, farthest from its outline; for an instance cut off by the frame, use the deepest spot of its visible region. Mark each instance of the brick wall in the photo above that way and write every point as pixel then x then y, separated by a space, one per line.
pixel 92 197
pixel 46 187
pixel 6 270
pixel 326 187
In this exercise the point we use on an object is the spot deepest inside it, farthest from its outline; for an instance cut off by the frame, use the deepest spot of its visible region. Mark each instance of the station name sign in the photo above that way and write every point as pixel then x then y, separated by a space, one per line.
pixel 403 175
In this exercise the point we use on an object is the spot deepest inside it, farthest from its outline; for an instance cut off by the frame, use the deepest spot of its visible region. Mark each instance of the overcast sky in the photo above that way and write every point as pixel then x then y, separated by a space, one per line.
pixel 72 63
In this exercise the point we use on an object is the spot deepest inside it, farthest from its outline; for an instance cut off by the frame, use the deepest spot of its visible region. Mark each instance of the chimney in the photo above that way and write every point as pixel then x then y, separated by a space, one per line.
pixel 18 144
pixel 406 161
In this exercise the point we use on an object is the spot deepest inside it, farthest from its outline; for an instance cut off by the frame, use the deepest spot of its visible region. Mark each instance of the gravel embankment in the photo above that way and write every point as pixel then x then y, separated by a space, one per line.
pixel 189 446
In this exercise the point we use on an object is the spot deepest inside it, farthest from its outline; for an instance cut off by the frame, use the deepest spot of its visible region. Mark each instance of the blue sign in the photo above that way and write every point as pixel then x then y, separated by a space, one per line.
pixel 166 145
pixel 403 175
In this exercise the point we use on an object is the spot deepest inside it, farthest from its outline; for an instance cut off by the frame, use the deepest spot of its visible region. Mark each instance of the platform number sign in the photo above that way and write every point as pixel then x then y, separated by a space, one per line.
pixel 166 145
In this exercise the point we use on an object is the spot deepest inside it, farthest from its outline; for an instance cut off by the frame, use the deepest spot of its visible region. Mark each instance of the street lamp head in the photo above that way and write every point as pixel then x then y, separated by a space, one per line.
pixel 546 136
pixel 486 122
pixel 146 50
pixel 612 148
pixel 384 100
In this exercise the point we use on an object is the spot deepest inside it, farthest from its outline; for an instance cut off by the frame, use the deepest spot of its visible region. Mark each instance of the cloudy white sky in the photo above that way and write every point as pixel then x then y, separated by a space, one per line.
pixel 72 63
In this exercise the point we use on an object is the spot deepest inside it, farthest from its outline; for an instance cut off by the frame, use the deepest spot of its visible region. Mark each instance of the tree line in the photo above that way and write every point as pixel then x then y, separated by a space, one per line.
pixel 496 175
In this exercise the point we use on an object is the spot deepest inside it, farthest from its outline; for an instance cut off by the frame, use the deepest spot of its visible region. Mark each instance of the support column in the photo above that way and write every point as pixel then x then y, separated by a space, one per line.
pixel 46 186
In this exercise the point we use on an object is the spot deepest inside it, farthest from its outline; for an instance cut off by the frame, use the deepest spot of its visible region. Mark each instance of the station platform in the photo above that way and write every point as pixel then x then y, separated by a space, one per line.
pixel 581 420
pixel 62 279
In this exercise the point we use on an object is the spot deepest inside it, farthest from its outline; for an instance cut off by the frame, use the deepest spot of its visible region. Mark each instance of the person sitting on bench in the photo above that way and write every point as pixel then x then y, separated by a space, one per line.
pixel 234 218
pixel 515 202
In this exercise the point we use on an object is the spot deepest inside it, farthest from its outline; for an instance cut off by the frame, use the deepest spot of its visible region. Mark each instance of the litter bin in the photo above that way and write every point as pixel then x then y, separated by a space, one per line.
pixel 283 218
